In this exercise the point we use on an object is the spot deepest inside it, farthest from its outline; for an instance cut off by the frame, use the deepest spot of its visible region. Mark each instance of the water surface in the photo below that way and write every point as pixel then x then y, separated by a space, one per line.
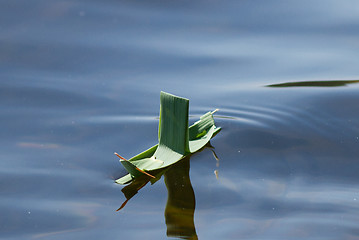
pixel 80 80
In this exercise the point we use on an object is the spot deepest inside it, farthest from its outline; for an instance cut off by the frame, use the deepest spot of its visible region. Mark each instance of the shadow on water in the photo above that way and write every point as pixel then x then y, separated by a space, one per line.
pixel 337 83
pixel 179 212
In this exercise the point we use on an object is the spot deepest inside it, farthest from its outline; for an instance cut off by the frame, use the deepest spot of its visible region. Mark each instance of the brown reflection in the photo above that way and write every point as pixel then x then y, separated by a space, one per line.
pixel 132 189
pixel 181 202
pixel 179 212
pixel 336 83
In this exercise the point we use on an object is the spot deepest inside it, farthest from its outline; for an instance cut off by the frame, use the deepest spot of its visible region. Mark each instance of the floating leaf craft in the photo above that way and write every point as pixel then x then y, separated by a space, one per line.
pixel 175 139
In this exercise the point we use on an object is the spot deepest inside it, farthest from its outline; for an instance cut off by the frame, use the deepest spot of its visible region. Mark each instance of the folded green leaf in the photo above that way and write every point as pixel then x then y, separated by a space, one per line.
pixel 176 140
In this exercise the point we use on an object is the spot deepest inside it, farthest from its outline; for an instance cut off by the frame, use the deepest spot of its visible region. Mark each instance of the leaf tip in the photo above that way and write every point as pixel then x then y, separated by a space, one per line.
pixel 118 155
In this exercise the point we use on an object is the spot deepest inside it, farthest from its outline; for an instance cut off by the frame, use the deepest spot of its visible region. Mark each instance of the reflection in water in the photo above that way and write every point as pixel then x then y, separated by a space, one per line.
pixel 132 189
pixel 181 201
pixel 337 83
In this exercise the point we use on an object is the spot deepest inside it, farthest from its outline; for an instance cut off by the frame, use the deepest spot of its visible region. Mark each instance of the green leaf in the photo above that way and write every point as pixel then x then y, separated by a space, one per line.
pixel 173 126
pixel 176 139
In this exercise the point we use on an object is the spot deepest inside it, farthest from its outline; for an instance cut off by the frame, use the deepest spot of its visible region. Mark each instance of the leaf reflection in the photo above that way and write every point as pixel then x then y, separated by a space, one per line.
pixel 179 212
pixel 181 202
pixel 337 83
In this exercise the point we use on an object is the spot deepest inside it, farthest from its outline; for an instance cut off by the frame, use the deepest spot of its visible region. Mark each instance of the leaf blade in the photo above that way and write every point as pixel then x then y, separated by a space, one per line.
pixel 176 139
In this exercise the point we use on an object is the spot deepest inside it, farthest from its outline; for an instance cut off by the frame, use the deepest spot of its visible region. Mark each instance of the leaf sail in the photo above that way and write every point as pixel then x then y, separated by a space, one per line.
pixel 176 140
pixel 173 122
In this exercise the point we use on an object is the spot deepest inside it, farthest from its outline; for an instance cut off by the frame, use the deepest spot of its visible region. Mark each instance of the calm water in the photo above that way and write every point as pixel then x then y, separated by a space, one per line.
pixel 81 79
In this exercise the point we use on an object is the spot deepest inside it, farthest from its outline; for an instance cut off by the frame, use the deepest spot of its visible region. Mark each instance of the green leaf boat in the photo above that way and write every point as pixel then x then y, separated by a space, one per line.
pixel 175 139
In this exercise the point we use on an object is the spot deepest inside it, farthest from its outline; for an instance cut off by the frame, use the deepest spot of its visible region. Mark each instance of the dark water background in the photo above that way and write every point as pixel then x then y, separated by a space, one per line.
pixel 81 79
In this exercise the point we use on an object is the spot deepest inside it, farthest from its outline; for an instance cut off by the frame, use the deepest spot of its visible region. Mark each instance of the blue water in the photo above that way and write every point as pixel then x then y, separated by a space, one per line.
pixel 80 80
